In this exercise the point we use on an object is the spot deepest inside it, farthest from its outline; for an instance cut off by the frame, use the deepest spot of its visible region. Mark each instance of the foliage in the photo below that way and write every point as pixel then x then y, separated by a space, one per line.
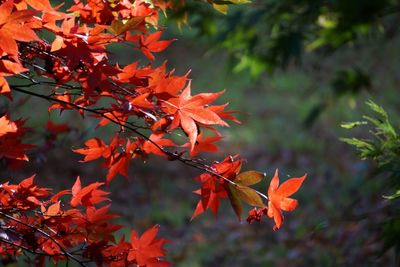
pixel 341 225
pixel 61 55
pixel 279 200
pixel 268 34
pixel 384 148
pixel 37 222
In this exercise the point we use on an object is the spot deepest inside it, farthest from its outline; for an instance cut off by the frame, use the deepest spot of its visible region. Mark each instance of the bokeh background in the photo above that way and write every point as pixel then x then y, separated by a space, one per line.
pixel 294 72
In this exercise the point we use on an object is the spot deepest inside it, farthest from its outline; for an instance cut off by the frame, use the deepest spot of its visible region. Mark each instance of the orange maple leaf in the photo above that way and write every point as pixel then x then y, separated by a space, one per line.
pixel 204 144
pixel 13 28
pixel 95 148
pixel 11 145
pixel 146 249
pixel 149 146
pixel 7 126
pixel 4 87
pixel 87 196
pixel 212 188
pixel 150 44
pixel 279 197
pixel 187 110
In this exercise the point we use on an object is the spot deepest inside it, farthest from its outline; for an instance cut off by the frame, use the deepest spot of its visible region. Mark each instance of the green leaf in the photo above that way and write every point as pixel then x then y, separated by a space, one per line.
pixel 394 196
pixel 350 125
pixel 250 196
pixel 357 143
pixel 249 178
pixel 235 200
pixel 378 109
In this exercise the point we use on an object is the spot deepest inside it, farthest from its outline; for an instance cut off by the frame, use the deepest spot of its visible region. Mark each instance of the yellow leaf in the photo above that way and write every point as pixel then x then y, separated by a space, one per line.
pixel 240 2
pixel 117 27
pixel 249 178
pixel 250 196
pixel 182 21
pixel 221 8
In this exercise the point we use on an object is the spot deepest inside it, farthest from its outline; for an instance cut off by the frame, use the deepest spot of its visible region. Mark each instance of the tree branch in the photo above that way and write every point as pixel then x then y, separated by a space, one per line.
pixel 171 155
pixel 65 252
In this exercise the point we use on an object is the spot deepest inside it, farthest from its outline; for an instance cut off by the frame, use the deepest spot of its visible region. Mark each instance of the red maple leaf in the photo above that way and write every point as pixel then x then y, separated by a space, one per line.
pixel 213 187
pixel 8 68
pixel 146 249
pixel 13 28
pixel 51 211
pixel 65 97
pixel 279 197
pixel 204 144
pixel 150 44
pixel 97 224
pixel 189 110
pixel 30 193
pixel 116 156
pixel 119 162
pixel 163 82
pixel 211 193
pixel 4 87
pixel 95 148
pixel 225 114
pixel 88 195
pixel 7 126
pixel 11 145
pixel 42 5
pixel 149 146
pixel 133 74
pixel 141 102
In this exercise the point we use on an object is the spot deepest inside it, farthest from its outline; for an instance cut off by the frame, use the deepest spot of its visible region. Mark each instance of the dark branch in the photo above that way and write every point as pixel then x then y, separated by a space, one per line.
pixel 65 252
pixel 171 155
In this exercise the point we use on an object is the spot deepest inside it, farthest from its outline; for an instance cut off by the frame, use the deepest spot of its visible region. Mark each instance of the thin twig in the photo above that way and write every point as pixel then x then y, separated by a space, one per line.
pixel 66 253
pixel 171 155
pixel 28 249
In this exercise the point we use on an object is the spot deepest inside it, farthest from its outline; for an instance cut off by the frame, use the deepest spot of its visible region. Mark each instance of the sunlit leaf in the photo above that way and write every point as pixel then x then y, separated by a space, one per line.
pixel 221 8
pixel 249 178
pixel 235 200
pixel 394 196
pixel 117 27
pixel 350 125
pixel 250 196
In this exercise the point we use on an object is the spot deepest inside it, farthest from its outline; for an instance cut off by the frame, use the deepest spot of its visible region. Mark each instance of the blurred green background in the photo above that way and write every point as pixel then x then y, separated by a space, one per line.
pixel 294 72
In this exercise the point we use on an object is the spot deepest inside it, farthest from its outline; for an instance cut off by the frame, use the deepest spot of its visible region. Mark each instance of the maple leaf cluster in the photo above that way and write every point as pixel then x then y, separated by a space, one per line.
pixel 64 52
pixel 70 225
pixel 78 55
pixel 278 200
pixel 11 146
pixel 226 181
